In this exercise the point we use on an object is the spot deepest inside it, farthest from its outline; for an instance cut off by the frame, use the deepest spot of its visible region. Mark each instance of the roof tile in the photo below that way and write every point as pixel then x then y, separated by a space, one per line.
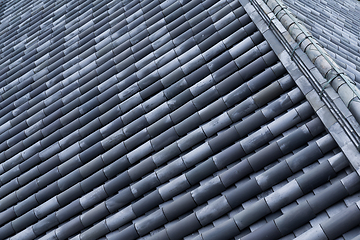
pixel 147 131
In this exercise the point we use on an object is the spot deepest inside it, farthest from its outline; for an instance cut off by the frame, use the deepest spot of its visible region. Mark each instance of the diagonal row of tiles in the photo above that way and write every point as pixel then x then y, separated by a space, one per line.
pixel 116 108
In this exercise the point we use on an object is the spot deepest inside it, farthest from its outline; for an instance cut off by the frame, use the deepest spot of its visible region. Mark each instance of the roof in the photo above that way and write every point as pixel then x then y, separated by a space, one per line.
pixel 169 120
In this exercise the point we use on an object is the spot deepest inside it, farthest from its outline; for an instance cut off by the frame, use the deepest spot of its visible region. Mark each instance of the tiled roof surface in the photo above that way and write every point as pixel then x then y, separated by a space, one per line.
pixel 160 120
pixel 336 25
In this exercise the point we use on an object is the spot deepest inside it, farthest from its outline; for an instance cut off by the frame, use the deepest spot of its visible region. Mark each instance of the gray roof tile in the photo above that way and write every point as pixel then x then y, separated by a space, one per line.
pixel 151 117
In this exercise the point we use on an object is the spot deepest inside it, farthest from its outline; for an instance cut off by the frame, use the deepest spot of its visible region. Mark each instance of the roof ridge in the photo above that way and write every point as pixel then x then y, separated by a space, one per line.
pixel 318 55
pixel 319 67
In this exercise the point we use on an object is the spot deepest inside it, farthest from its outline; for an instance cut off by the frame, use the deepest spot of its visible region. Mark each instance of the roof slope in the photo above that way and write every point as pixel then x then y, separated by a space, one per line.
pixel 162 120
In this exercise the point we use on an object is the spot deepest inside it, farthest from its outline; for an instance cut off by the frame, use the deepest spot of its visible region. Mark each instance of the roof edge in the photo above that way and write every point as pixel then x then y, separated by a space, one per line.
pixel 326 101
pixel 335 75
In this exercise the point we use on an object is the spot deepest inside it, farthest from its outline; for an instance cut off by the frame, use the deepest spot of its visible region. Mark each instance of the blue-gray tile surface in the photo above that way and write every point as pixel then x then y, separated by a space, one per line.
pixel 160 120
